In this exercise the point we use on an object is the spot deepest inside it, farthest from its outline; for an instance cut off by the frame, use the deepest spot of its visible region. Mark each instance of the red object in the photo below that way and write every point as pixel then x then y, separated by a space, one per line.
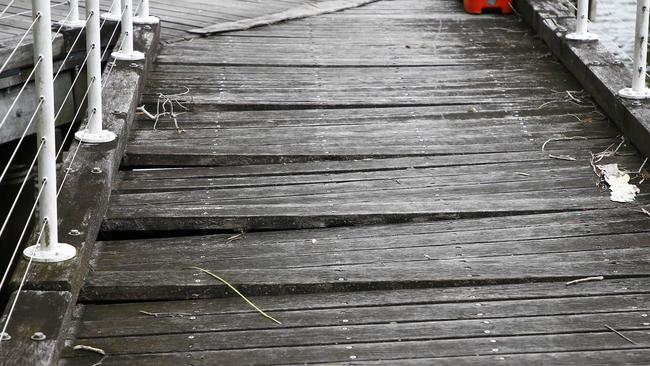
pixel 480 6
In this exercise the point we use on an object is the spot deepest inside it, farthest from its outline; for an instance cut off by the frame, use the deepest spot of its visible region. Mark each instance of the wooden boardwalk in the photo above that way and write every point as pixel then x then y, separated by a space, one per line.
pixel 177 19
pixel 383 166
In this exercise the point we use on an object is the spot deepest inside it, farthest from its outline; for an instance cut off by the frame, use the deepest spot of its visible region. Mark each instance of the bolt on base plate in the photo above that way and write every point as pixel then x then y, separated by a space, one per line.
pixel 62 252
pixel 94 138
pixel 581 36
pixel 629 93
pixel 146 20
pixel 128 56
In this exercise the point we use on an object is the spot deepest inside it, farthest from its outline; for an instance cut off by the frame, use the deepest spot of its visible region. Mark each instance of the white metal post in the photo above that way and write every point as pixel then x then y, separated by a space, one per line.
pixel 49 250
pixel 127 52
pixel 638 89
pixel 94 132
pixel 115 11
pixel 143 16
pixel 73 21
pixel 582 23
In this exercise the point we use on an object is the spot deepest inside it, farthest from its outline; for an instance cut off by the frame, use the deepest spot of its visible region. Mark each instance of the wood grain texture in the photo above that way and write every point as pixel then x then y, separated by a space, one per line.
pixel 538 320
pixel 36 311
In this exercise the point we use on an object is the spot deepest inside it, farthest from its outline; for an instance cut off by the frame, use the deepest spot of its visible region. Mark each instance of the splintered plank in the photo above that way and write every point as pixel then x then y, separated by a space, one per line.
pixel 525 248
pixel 372 325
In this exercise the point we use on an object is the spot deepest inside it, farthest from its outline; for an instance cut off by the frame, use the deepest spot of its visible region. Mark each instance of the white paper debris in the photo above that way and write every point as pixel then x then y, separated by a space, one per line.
pixel 621 189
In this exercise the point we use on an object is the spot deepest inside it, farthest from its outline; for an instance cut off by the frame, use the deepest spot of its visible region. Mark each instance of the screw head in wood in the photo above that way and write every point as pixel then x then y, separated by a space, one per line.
pixel 38 336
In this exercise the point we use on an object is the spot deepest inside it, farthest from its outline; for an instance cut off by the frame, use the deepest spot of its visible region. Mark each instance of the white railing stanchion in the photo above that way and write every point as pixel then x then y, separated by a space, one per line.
pixel 50 250
pixel 73 21
pixel 638 89
pixel 143 16
pixel 93 133
pixel 582 24
pixel 115 12
pixel 126 27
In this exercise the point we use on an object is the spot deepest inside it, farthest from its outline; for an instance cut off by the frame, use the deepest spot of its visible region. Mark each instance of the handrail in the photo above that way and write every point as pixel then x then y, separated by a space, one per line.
pixel 638 90
pixel 47 247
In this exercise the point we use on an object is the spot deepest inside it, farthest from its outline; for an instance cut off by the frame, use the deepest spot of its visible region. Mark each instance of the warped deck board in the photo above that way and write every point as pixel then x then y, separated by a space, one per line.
pixel 535 320
pixel 356 192
pixel 547 246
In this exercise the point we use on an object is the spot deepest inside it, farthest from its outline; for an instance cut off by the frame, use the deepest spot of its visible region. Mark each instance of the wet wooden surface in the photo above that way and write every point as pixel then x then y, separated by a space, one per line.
pixel 385 169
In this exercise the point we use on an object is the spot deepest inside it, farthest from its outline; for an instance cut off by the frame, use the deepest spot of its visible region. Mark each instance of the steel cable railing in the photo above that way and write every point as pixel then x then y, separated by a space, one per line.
pixel 47 247
pixel 638 90
pixel 7 8
pixel 29 12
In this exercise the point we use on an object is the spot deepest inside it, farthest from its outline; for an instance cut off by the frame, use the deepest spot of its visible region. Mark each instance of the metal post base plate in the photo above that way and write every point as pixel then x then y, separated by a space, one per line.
pixel 146 20
pixel 629 93
pixel 111 16
pixel 582 36
pixel 128 56
pixel 94 138
pixel 72 24
pixel 62 252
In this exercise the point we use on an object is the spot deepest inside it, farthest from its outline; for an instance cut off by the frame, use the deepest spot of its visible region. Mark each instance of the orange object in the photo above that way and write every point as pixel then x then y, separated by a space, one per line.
pixel 480 6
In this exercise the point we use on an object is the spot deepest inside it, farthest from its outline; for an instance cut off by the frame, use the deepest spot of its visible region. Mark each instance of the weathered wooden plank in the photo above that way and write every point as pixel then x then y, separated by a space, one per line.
pixel 376 316
pixel 345 300
pixel 36 311
pixel 394 351
pixel 175 282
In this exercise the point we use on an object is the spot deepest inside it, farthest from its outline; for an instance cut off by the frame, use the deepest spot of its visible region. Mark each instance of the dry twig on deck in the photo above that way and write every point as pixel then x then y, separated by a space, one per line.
pixel 237 292
pixel 643 173
pixel 237 236
pixel 168 101
pixel 586 279
pixel 569 138
pixel 620 334
pixel 576 97
pixel 164 315
pixel 597 157
pixel 644 211
pixel 562 157
pixel 99 351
